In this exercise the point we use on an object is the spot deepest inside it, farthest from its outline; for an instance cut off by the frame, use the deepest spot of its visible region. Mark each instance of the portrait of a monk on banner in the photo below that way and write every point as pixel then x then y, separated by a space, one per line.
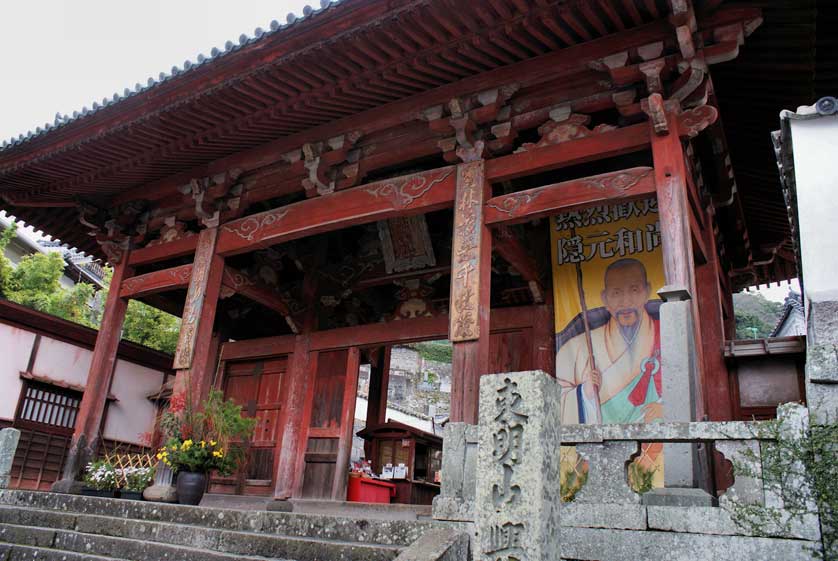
pixel 622 384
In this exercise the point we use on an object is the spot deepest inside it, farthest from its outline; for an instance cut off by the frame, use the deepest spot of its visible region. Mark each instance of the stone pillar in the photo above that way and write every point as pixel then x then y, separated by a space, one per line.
pixel 681 470
pixel 163 490
pixel 8 446
pixel 459 469
pixel 518 489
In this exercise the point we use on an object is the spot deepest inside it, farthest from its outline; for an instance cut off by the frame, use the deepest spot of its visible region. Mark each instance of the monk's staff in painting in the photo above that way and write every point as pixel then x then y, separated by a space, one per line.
pixel 587 326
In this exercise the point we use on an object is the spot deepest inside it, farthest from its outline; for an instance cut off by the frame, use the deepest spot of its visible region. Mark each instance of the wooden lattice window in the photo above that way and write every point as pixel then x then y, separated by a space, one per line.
pixel 48 408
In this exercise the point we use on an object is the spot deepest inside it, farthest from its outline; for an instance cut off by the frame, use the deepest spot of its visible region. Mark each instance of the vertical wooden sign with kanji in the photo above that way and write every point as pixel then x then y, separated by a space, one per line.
pixel 466 256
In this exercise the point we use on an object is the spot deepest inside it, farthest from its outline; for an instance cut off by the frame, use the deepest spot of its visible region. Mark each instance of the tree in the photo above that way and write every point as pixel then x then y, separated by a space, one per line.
pixel 756 316
pixel 35 283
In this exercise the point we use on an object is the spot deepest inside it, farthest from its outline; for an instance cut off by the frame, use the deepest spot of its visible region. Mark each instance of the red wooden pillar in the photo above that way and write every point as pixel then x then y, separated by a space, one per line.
pixel 471 268
pixel 296 398
pixel 671 184
pixel 85 439
pixel 379 386
pixel 717 398
pixel 291 438
pixel 347 423
pixel 194 357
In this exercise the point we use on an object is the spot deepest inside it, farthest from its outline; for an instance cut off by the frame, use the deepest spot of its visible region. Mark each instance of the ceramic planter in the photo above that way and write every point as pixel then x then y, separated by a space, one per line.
pixel 190 487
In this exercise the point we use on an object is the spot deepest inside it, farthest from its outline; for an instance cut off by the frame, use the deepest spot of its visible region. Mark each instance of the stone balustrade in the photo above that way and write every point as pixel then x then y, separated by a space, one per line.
pixel 608 521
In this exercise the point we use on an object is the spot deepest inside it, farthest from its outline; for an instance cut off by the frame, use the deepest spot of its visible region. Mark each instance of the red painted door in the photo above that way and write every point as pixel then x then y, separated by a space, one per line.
pixel 255 385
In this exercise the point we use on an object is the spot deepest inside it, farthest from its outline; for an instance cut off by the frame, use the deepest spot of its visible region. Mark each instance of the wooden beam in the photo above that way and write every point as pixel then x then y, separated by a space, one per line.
pixel 156 281
pixel 163 251
pixel 471 270
pixel 379 386
pixel 513 252
pixel 400 196
pixel 633 138
pixel 537 70
pixel 347 423
pixel 254 289
pixel 544 201
pixel 373 334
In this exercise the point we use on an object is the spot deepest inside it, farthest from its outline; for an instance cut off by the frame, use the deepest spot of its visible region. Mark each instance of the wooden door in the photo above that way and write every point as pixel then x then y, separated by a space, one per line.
pixel 330 424
pixel 255 385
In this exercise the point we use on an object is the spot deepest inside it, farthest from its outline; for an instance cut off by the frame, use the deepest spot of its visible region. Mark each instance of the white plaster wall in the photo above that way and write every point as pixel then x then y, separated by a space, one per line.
pixel 133 414
pixel 128 418
pixel 815 145
pixel 15 348
pixel 62 361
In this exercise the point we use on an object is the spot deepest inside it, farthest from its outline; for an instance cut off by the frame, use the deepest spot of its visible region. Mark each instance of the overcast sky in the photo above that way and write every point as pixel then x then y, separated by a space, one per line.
pixel 59 56
pixel 62 55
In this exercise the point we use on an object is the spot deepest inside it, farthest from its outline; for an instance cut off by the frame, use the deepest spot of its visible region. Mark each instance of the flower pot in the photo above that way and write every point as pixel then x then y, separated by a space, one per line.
pixel 190 487
pixel 107 493
pixel 131 495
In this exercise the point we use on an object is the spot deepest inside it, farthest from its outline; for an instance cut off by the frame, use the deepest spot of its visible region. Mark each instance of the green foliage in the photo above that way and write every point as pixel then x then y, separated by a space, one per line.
pixel 151 327
pixel 572 482
pixel 137 478
pixel 206 437
pixel 6 236
pixel 35 283
pixel 640 478
pixel 101 475
pixel 144 324
pixel 801 466
pixel 439 351
pixel 755 315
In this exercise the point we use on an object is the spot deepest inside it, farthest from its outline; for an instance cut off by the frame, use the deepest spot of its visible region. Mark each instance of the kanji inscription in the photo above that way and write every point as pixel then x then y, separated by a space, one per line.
pixel 518 477
pixel 465 254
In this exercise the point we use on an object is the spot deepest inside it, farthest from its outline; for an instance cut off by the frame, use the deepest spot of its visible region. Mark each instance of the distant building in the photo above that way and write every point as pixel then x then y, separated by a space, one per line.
pixel 793 318
pixel 79 266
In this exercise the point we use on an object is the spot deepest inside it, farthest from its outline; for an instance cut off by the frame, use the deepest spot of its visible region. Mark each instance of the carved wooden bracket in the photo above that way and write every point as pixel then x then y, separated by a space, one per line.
pixel 330 164
pixel 474 120
pixel 564 126
pixel 214 195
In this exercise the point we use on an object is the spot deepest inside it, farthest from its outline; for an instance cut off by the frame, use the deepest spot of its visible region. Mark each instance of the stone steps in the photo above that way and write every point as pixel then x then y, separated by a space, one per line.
pixel 142 531
pixel 17 552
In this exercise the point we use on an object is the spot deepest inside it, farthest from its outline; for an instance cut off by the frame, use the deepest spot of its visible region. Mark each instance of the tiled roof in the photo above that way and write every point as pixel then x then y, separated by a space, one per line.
pixel 201 59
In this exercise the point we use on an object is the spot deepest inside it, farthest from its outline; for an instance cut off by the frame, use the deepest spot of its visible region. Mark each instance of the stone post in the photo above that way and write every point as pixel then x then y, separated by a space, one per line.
pixel 8 446
pixel 518 489
pixel 163 490
pixel 459 469
pixel 678 363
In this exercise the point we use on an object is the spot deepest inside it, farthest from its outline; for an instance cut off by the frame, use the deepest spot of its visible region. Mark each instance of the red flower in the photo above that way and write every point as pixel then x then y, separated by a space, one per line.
pixel 177 402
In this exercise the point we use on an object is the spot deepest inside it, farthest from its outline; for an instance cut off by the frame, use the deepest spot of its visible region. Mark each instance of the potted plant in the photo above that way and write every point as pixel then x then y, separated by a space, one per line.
pixel 101 480
pixel 202 439
pixel 135 480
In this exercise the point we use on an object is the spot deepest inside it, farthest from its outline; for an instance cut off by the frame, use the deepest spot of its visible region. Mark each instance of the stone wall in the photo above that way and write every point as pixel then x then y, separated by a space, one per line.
pixel 608 521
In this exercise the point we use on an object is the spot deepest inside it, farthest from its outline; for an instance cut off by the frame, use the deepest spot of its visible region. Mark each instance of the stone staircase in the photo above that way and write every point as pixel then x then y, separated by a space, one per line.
pixel 49 526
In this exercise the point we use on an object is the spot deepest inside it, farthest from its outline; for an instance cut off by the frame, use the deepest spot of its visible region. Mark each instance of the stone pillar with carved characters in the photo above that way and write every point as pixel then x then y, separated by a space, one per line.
pixel 518 487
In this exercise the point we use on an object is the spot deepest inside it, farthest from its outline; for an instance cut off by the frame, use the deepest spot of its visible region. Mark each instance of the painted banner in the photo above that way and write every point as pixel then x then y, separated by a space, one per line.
pixel 607 269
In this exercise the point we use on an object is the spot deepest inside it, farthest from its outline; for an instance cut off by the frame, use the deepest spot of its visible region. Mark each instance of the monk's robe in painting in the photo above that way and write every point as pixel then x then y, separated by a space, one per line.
pixel 629 362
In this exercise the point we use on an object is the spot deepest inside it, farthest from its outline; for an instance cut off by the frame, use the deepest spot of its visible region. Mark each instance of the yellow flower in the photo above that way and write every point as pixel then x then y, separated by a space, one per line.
pixel 203 444
pixel 213 442
pixel 186 444
pixel 159 456
pixel 218 453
